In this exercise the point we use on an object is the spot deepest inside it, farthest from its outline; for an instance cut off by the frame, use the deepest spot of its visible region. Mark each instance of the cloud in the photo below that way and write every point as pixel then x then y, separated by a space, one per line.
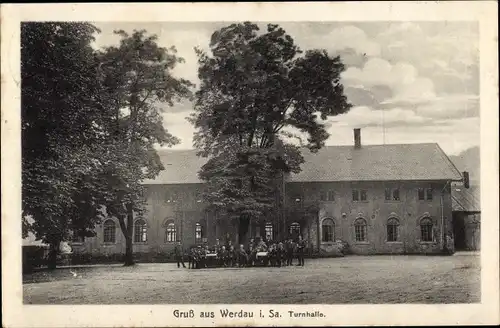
pixel 359 96
pixel 363 116
pixel 347 40
pixel 434 48
pixel 402 78
pixel 445 107
pixel 178 126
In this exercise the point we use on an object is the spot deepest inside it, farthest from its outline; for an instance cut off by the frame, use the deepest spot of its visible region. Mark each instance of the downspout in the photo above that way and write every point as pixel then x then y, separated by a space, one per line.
pixel 443 232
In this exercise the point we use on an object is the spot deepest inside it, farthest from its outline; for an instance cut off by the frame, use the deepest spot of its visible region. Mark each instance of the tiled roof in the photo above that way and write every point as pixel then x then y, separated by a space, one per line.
pixel 336 163
pixel 466 200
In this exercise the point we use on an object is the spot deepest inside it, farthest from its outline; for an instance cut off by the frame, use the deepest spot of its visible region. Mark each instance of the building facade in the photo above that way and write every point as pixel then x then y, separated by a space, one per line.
pixel 379 199
pixel 466 218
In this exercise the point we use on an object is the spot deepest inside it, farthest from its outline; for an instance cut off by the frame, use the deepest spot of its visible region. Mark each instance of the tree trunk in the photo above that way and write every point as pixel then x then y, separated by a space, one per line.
pixel 244 223
pixel 129 259
pixel 52 256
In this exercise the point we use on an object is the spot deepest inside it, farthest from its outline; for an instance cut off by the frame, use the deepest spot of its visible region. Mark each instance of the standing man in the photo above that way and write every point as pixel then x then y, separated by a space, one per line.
pixel 301 245
pixel 179 255
pixel 289 252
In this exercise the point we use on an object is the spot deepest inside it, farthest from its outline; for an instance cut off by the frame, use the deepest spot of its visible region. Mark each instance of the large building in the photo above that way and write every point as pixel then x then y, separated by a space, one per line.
pixel 379 199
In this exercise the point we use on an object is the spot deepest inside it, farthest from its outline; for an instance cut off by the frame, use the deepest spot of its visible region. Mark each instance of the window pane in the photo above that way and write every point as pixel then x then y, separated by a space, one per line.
pixel 395 194
pixel 140 231
pixel 327 233
pixel 269 231
pixel 421 195
pixel 331 195
pixel 426 229
pixel 363 195
pixel 387 194
pixel 198 231
pixel 360 230
pixel 392 232
pixel 429 193
pixel 355 195
pixel 322 196
pixel 170 233
pixel 328 227
pixel 109 232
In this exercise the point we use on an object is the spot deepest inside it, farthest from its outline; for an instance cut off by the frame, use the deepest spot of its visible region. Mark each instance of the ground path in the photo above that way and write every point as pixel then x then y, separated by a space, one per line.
pixel 352 279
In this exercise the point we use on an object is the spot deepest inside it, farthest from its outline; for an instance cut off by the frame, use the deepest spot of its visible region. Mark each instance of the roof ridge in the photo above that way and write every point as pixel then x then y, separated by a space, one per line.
pixel 304 147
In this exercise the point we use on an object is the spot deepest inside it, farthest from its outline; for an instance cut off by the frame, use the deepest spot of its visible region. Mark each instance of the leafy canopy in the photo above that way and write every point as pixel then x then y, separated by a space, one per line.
pixel 255 88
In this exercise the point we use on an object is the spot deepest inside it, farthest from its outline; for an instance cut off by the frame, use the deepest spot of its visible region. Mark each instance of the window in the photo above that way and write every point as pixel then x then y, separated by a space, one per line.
pixel 395 194
pixel 140 231
pixel 421 194
pixel 426 229
pixel 269 231
pixel 198 233
pixel 198 197
pixel 170 233
pixel 387 194
pixel 360 229
pixel 392 194
pixel 359 195
pixel 328 230
pixel 355 196
pixel 171 197
pixel 428 194
pixel 327 196
pixel 295 230
pixel 109 231
pixel 392 229
pixel 424 194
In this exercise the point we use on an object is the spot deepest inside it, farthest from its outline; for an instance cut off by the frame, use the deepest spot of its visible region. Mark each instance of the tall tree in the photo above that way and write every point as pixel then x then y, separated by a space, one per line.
pixel 136 79
pixel 58 127
pixel 255 87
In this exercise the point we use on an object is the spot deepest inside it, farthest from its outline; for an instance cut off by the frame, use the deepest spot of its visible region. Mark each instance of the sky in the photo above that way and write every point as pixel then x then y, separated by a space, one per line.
pixel 409 82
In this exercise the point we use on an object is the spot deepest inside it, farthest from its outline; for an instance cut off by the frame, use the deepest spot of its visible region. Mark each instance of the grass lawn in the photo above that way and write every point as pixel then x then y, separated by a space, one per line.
pixel 352 279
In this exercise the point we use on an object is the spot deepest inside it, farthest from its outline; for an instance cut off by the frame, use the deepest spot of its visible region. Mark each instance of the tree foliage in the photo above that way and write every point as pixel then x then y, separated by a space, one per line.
pixel 90 123
pixel 256 88
pixel 135 78
pixel 57 121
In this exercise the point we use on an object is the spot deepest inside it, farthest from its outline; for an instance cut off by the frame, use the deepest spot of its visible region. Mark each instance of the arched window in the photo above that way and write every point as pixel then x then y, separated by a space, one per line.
pixel 295 230
pixel 109 231
pixel 198 233
pixel 328 230
pixel 269 231
pixel 360 229
pixel 392 229
pixel 426 229
pixel 170 233
pixel 140 231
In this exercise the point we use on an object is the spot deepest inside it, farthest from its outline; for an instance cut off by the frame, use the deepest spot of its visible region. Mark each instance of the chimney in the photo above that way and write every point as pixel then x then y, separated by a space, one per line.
pixel 466 180
pixel 357 138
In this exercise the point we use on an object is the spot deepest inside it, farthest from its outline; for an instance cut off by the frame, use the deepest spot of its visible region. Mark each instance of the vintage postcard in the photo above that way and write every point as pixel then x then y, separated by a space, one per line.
pixel 250 164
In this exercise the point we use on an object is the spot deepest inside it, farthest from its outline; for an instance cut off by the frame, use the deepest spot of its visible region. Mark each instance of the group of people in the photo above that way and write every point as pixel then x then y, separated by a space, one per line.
pixel 256 253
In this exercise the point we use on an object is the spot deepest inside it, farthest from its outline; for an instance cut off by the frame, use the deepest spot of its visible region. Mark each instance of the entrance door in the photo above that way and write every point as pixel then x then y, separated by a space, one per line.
pixel 459 231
